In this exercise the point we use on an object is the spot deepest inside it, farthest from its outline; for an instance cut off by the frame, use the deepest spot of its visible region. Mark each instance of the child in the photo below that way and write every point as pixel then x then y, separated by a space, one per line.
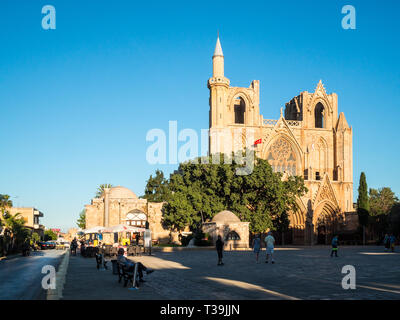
pixel 386 242
pixel 392 242
pixel 334 246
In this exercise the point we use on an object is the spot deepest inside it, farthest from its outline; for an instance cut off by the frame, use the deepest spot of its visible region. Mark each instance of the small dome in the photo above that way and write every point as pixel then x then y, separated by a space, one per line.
pixel 122 193
pixel 225 216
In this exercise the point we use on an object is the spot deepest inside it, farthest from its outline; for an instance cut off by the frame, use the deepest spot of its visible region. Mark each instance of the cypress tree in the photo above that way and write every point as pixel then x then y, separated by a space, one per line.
pixel 363 203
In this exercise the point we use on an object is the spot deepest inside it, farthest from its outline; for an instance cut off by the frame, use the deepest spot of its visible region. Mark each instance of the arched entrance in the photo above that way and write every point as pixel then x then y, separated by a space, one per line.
pixel 322 230
pixel 326 222
pixel 136 218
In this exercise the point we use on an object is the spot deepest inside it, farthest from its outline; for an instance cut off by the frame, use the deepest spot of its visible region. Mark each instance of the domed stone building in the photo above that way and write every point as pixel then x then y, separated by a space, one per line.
pixel 119 205
pixel 234 233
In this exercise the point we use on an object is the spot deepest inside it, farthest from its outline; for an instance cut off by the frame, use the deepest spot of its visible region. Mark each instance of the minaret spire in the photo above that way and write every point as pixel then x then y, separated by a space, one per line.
pixel 218 48
pixel 218 60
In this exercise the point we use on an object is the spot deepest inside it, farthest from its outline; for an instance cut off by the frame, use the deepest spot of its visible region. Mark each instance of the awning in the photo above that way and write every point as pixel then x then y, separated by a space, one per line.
pixel 97 229
pixel 122 228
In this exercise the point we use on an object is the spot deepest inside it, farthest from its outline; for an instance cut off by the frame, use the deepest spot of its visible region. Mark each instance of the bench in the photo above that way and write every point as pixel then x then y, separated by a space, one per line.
pixel 134 251
pixel 128 276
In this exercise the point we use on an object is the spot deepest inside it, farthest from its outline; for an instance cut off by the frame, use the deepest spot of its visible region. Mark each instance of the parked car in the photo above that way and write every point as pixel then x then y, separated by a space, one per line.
pixel 66 244
pixel 51 244
pixel 42 245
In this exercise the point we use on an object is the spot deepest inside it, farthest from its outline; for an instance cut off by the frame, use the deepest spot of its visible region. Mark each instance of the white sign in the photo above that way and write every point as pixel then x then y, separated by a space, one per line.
pixel 147 238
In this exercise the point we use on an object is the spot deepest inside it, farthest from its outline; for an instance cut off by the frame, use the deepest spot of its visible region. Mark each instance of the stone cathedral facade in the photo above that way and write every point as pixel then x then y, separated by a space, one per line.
pixel 310 139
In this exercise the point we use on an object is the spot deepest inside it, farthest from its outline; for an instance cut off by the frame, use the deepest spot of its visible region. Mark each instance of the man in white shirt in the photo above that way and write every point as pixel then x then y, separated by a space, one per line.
pixel 269 241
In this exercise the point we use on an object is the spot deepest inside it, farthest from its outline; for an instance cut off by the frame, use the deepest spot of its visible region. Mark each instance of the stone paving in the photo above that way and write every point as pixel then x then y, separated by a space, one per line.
pixel 299 273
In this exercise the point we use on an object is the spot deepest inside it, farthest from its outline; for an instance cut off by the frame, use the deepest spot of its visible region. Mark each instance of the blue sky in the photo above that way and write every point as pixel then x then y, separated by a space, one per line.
pixel 76 102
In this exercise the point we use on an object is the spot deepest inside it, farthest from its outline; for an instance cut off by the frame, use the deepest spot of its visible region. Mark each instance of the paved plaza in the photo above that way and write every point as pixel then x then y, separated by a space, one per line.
pixel 299 273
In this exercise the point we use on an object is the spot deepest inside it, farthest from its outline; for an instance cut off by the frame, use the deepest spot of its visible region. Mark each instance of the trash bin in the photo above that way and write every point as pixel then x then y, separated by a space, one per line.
pixel 114 267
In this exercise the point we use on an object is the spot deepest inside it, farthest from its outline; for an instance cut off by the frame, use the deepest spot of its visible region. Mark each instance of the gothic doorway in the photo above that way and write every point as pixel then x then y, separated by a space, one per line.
pixel 327 224
pixel 321 233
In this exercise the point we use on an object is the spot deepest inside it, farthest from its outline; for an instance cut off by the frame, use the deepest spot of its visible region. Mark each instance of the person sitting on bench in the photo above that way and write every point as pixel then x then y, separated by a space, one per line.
pixel 130 265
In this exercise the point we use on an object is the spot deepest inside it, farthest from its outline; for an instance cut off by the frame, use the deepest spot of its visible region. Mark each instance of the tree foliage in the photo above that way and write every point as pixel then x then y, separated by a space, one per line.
pixel 100 189
pixel 382 218
pixel 5 203
pixel 199 191
pixel 50 235
pixel 156 188
pixel 381 201
pixel 13 232
pixel 363 201
pixel 81 222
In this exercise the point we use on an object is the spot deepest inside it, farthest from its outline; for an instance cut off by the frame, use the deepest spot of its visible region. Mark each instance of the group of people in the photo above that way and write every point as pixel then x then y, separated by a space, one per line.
pixel 389 242
pixel 269 241
pixel 269 247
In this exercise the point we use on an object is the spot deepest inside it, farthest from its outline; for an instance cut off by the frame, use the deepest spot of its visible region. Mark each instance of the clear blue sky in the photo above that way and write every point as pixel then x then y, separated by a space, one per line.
pixel 76 102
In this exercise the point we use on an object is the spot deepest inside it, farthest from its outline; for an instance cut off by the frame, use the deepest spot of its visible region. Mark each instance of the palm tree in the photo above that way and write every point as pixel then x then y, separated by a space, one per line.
pixel 5 203
pixel 14 232
pixel 100 189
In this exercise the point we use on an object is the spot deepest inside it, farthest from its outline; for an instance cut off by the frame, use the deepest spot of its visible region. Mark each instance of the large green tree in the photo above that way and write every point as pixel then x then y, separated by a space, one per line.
pixel 156 188
pixel 81 222
pixel 381 202
pixel 50 235
pixel 199 191
pixel 363 207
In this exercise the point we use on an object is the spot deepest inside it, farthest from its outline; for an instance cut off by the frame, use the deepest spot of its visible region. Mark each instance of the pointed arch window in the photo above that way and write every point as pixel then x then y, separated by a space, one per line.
pixel 282 157
pixel 239 109
pixel 232 236
pixel 319 115
pixel 321 156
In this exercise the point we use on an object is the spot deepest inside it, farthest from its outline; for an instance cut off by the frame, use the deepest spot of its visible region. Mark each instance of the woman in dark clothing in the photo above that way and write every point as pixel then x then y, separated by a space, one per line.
pixel 220 247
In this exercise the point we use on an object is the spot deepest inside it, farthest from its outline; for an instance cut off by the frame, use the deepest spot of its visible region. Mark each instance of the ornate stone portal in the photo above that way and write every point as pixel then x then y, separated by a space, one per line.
pixel 310 139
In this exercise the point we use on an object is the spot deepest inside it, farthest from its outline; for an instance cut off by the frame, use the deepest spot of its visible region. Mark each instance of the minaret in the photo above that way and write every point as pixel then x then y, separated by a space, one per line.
pixel 218 60
pixel 219 86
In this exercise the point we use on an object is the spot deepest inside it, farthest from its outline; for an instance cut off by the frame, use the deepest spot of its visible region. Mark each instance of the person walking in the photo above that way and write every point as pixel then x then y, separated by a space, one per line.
pixel 386 242
pixel 335 241
pixel 269 242
pixel 257 246
pixel 392 241
pixel 74 245
pixel 220 248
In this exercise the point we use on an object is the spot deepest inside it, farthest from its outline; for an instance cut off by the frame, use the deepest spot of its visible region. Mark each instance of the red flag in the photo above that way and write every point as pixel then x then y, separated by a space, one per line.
pixel 258 141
